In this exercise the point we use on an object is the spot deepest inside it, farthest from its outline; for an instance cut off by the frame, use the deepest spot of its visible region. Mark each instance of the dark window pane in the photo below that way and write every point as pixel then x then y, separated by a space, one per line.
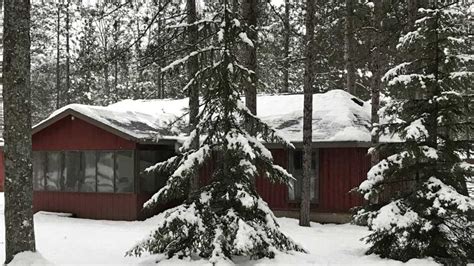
pixel 152 181
pixel 105 172
pixel 39 163
pixel 53 171
pixel 89 168
pixel 147 180
pixel 72 171
pixel 124 171
pixel 298 160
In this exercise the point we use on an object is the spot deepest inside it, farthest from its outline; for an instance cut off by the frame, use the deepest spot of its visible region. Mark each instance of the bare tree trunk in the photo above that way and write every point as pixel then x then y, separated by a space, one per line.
pixel 249 14
pixel 376 78
pixel 286 49
pixel 307 114
pixel 19 228
pixel 193 66
pixel 106 64
pixel 68 78
pixel 58 78
pixel 349 48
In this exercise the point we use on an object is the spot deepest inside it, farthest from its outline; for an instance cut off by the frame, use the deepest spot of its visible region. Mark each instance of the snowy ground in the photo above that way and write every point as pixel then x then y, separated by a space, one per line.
pixel 63 240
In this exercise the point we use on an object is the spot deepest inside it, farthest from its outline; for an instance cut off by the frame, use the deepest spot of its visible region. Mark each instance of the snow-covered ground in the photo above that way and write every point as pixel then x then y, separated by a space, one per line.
pixel 62 240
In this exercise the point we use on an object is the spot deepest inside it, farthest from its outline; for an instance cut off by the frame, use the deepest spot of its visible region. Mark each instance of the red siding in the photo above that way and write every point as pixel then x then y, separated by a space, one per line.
pixel 110 206
pixel 276 195
pixel 341 169
pixel 68 134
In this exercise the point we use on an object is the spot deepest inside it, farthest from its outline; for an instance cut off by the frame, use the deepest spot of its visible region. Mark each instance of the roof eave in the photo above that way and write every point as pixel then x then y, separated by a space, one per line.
pixel 46 123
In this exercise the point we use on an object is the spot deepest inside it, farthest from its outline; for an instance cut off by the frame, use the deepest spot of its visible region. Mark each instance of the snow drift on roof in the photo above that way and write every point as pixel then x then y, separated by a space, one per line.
pixel 337 116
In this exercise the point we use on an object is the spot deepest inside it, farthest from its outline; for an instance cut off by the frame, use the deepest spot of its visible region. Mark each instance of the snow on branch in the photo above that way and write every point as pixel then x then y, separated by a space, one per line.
pixel 186 58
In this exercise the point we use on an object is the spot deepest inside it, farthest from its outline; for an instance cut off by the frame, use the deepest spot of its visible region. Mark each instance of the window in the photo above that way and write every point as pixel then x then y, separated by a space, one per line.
pixel 72 173
pixel 105 172
pixel 53 171
pixel 89 161
pixel 84 171
pixel 296 169
pixel 124 171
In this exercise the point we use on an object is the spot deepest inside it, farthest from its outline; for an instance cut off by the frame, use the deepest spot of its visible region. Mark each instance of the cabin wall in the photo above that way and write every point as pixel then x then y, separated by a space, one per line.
pixel 340 170
pixel 76 134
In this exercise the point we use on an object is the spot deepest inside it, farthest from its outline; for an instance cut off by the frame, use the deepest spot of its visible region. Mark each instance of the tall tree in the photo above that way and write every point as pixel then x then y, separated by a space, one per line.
pixel 376 83
pixel 19 229
pixel 308 114
pixel 193 67
pixel 349 47
pixel 250 14
pixel 58 56
pixel 68 55
pixel 431 102
pixel 286 49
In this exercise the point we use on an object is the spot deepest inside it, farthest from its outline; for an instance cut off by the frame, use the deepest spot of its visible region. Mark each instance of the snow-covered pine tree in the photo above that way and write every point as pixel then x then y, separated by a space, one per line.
pixel 431 104
pixel 227 217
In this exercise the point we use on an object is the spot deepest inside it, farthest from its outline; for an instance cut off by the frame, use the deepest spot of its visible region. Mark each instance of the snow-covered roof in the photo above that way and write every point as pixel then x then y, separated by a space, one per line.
pixel 337 117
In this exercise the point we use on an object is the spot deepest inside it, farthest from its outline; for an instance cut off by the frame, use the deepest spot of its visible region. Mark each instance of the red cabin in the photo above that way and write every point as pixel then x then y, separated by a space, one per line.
pixel 90 160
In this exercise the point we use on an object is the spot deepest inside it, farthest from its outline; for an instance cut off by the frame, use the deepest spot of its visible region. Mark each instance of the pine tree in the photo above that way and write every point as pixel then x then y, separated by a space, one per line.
pixel 308 115
pixel 431 97
pixel 227 217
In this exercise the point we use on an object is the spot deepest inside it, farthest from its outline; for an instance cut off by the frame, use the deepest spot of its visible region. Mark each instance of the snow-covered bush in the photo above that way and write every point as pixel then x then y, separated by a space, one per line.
pixel 418 200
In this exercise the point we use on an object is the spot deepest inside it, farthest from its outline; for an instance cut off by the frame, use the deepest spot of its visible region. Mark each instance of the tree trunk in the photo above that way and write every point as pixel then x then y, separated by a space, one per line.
pixel 58 78
pixel 116 65
pixel 193 66
pixel 249 14
pixel 286 49
pixel 307 114
pixel 159 43
pixel 349 48
pixel 376 78
pixel 68 78
pixel 19 229
pixel 412 13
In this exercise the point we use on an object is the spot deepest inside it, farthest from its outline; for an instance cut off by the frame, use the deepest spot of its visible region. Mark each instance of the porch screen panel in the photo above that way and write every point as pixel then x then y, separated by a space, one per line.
pixel 88 165
pixel 53 171
pixel 39 161
pixel 124 171
pixel 105 172
pixel 72 171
